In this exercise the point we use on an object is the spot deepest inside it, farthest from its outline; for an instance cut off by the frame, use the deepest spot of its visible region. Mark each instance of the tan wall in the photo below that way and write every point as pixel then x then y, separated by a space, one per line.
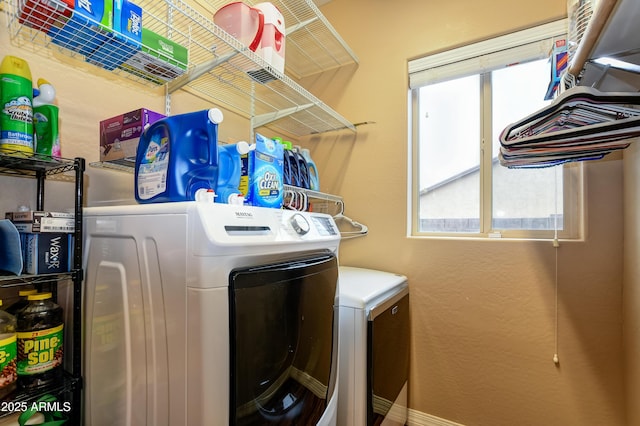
pixel 482 311
pixel 631 289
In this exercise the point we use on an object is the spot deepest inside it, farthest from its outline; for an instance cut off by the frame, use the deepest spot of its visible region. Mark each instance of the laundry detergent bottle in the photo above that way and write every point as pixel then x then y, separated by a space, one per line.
pixel 290 165
pixel 16 106
pixel 314 178
pixel 303 169
pixel 177 156
pixel 230 172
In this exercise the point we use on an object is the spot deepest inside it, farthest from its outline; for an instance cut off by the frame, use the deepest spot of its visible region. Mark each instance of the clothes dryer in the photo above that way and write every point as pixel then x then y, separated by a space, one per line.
pixel 374 347
pixel 209 314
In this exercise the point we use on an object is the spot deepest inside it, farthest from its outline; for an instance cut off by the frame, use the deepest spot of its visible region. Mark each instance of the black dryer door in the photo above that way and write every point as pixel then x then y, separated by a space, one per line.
pixel 282 335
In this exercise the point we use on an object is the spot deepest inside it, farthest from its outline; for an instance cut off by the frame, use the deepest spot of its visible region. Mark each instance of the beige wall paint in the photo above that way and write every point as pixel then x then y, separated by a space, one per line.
pixel 482 311
pixel 86 95
pixel 631 289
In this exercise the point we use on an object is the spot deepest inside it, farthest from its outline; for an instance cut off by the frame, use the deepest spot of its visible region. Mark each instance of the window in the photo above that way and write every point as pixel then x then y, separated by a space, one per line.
pixel 460 102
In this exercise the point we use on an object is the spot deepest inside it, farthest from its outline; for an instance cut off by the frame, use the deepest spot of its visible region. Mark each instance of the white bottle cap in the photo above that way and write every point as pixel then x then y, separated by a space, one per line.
pixel 204 195
pixel 243 147
pixel 215 115
pixel 46 95
pixel 236 199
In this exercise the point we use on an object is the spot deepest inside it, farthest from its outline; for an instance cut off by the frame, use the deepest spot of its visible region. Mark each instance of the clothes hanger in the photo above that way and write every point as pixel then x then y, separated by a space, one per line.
pixel 583 108
pixel 581 124
pixel 348 227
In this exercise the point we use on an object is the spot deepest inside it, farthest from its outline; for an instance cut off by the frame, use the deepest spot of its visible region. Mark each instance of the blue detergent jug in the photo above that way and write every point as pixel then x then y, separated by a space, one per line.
pixel 230 171
pixel 177 156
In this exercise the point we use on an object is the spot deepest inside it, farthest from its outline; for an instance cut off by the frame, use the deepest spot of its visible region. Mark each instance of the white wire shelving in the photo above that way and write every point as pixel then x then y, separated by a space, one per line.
pixel 220 69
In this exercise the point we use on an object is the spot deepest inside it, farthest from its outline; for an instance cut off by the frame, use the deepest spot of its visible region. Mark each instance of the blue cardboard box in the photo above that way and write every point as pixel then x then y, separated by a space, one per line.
pixel 46 253
pixel 88 27
pixel 266 162
pixel 124 41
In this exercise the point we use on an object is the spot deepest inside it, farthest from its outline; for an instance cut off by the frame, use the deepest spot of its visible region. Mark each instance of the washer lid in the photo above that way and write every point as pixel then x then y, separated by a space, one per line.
pixel 360 288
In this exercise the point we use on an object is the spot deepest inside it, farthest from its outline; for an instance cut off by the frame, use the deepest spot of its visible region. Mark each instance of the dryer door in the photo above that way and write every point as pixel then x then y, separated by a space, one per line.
pixel 282 318
pixel 388 361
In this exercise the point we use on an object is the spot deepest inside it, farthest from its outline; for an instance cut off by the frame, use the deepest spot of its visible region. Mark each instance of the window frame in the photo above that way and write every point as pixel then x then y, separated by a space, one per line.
pixel 434 68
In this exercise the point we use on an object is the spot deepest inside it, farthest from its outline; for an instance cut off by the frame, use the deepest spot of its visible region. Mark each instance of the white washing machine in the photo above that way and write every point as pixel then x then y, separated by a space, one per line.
pixel 374 347
pixel 209 314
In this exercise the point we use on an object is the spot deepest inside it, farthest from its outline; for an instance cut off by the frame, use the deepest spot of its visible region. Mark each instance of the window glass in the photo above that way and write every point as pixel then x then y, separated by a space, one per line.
pixel 449 156
pixel 522 198
pixel 459 187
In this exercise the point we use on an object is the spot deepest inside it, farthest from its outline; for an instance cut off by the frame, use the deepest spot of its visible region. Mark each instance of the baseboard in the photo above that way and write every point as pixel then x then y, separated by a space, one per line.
pixel 417 418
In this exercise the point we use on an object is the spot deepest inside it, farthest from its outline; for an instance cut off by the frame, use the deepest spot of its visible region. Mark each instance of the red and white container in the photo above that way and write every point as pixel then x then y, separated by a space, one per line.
pixel 242 22
pixel 260 28
pixel 271 47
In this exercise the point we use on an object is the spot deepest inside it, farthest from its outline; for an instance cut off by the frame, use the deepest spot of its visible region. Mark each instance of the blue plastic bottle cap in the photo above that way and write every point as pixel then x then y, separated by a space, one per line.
pixel 215 115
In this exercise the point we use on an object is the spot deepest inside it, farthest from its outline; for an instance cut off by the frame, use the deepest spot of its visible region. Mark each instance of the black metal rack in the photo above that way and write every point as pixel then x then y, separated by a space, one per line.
pixel 40 167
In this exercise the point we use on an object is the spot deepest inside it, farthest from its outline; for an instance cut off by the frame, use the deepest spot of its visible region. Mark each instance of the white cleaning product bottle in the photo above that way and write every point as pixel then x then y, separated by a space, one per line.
pixel 314 177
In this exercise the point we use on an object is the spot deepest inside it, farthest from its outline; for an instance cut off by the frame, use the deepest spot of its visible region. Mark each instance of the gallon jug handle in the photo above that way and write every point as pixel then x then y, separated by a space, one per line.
pixel 224 176
pixel 215 117
pixel 258 38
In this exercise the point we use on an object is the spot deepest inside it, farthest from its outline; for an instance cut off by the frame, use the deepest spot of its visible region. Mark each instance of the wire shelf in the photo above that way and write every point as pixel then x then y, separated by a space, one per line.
pixel 580 13
pixel 30 164
pixel 219 68
pixel 312 44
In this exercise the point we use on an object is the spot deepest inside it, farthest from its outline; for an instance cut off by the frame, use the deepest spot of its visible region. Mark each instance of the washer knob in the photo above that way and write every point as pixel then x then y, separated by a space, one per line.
pixel 300 224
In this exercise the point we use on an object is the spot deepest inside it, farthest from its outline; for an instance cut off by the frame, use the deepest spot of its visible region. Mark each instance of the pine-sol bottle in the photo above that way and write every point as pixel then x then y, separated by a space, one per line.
pixel 40 342
pixel 8 375
pixel 22 302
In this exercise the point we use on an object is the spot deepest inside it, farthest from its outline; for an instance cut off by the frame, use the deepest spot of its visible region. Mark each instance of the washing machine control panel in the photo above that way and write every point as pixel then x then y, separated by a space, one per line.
pixel 300 224
pixel 325 225
pixel 309 225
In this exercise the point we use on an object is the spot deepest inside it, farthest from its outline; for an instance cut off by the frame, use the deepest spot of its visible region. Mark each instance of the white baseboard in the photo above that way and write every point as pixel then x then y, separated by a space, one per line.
pixel 417 418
